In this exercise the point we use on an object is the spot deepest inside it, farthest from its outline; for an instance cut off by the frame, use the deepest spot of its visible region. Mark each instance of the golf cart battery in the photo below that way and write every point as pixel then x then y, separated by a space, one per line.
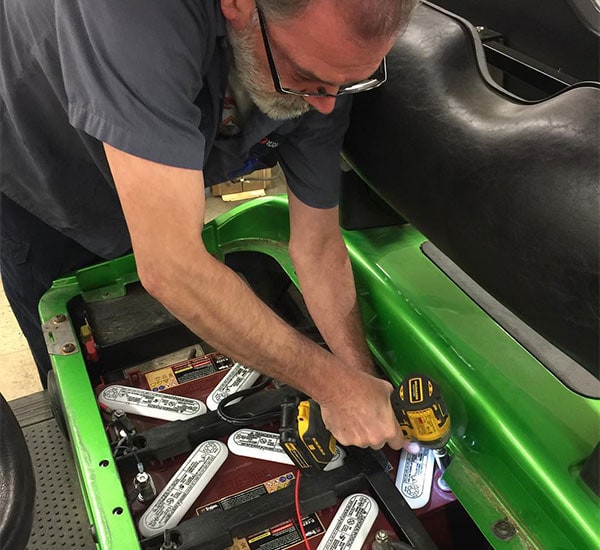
pixel 240 479
pixel 155 392
pixel 238 482
pixel 286 534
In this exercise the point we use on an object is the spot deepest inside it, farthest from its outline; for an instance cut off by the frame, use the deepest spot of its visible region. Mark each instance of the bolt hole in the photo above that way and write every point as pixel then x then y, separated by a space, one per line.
pixel 117 511
pixel 104 463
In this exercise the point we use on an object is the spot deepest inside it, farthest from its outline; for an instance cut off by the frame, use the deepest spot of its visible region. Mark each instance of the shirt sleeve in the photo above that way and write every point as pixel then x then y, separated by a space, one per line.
pixel 310 156
pixel 132 70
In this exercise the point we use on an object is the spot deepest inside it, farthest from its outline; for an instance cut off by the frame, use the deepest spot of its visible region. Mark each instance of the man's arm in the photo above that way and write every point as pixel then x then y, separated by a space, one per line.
pixel 325 275
pixel 323 267
pixel 164 209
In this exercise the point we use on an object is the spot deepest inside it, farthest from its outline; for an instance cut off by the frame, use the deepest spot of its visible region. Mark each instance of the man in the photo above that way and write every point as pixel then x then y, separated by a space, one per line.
pixel 112 126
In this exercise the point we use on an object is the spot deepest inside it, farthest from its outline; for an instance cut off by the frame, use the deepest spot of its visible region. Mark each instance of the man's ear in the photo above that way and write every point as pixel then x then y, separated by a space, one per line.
pixel 238 12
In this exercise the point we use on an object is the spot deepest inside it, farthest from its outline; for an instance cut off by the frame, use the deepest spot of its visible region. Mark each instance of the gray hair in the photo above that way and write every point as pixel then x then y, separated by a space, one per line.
pixel 369 19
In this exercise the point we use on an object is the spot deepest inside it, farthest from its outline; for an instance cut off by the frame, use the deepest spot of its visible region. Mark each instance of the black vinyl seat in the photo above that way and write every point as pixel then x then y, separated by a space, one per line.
pixel 508 189
pixel 17 482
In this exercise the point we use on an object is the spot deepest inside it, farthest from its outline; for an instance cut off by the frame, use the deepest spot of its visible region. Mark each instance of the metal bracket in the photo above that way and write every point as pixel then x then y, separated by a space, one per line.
pixel 60 336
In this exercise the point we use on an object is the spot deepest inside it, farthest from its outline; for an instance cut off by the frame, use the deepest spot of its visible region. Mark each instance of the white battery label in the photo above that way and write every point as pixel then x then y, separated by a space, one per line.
pixel 414 478
pixel 173 502
pixel 149 403
pixel 266 446
pixel 258 444
pixel 351 524
pixel 238 378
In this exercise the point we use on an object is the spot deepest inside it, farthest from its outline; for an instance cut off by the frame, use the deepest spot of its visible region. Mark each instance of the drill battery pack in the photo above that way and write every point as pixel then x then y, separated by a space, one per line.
pixel 304 437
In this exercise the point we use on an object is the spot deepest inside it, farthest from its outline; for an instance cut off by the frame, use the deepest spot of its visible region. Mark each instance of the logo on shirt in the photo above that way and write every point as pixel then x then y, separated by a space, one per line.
pixel 268 142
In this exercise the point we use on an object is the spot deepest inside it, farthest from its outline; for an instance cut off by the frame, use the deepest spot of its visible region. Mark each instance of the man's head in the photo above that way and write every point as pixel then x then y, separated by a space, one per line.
pixel 315 47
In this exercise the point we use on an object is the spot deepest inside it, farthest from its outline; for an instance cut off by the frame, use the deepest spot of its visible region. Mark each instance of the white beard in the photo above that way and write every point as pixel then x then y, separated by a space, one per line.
pixel 273 104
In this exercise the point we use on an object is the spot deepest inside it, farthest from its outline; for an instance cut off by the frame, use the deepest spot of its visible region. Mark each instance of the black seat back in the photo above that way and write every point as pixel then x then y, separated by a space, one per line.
pixel 506 188
pixel 17 482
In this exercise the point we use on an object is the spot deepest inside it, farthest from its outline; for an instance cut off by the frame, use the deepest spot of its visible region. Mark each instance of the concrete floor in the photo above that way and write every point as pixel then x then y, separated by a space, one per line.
pixel 19 374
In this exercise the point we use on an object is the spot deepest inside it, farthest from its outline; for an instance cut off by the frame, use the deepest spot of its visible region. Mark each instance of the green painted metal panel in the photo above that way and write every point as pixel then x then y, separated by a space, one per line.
pixel 101 487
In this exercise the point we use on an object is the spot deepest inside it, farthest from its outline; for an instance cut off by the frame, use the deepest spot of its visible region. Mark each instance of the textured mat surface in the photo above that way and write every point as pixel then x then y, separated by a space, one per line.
pixel 60 519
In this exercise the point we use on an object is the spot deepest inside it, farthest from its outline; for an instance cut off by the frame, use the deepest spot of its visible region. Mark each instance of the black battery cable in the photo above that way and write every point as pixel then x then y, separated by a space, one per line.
pixel 247 419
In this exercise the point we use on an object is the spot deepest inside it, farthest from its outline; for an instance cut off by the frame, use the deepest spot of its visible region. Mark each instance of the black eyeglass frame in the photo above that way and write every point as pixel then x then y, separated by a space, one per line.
pixel 354 88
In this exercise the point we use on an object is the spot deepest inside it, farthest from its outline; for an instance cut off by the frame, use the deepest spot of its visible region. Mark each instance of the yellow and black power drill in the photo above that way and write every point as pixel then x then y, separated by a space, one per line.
pixel 419 407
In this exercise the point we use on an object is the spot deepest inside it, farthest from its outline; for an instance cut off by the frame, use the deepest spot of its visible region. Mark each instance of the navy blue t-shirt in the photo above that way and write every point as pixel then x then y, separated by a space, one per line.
pixel 146 77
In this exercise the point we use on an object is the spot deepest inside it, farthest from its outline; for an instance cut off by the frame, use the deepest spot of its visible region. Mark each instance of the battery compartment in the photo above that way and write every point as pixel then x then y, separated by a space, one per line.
pixel 138 343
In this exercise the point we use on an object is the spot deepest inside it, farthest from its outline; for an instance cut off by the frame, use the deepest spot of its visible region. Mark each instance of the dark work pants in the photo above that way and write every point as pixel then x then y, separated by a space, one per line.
pixel 33 254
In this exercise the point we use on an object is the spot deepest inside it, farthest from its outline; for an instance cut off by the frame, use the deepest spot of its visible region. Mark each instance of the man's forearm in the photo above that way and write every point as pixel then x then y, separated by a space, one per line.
pixel 327 283
pixel 237 323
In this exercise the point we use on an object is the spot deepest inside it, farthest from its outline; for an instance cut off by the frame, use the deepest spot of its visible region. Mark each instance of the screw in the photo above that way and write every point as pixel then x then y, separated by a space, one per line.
pixel 479 29
pixel 69 347
pixel 60 318
pixel 503 529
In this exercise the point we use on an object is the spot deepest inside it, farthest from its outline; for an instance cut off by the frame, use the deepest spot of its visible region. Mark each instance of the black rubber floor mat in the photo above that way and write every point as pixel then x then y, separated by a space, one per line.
pixel 60 520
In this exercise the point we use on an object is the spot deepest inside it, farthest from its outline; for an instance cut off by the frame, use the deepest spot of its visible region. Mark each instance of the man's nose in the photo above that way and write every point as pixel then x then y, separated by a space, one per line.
pixel 322 104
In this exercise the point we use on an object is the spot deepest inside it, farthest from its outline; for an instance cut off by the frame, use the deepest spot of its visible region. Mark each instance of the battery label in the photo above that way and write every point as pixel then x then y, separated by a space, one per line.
pixel 161 379
pixel 183 488
pixel 187 371
pixel 415 477
pixel 278 537
pixel 351 524
pixel 285 534
pixel 236 499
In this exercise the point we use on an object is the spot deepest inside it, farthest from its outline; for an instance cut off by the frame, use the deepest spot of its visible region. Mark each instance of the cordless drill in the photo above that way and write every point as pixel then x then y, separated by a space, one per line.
pixel 417 403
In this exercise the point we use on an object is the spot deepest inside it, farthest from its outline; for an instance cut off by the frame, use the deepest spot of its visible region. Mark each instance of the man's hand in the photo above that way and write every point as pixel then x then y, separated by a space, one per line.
pixel 361 413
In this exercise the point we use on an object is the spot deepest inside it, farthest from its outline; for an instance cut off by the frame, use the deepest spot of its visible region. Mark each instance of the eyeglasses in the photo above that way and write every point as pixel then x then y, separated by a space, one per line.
pixel 375 80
